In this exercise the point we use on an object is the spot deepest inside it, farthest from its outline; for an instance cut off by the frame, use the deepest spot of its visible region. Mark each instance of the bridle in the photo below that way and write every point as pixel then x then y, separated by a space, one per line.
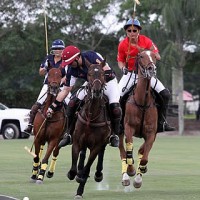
pixel 148 70
pixel 96 87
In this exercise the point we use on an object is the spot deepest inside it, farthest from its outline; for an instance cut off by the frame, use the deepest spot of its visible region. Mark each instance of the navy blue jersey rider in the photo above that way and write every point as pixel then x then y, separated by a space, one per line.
pixel 54 59
pixel 77 68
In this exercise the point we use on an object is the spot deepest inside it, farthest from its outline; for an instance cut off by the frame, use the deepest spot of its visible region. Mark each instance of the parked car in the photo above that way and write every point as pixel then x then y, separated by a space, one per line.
pixel 13 122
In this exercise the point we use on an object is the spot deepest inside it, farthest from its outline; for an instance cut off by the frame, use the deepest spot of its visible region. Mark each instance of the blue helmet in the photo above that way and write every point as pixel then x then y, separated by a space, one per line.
pixel 57 44
pixel 134 22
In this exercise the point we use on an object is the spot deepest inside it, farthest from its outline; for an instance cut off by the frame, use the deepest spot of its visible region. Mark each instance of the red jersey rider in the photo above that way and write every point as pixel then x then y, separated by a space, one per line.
pixel 128 49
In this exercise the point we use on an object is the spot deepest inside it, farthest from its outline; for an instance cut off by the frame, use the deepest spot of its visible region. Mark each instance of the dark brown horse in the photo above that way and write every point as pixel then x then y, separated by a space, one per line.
pixel 140 120
pixel 48 130
pixel 92 130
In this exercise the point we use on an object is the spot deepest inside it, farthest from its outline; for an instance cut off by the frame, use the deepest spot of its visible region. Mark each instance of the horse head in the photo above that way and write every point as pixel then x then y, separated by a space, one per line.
pixel 96 79
pixel 54 80
pixel 146 61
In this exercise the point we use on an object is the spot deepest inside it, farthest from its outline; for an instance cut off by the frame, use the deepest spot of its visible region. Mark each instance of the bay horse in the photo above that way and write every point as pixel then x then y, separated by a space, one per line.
pixel 92 130
pixel 140 120
pixel 48 130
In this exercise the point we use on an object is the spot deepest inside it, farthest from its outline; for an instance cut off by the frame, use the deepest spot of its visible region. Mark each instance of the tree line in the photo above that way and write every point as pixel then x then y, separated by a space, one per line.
pixel 23 47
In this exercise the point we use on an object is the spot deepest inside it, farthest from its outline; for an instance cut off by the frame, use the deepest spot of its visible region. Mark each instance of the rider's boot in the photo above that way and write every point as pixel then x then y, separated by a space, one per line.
pixel 116 114
pixel 162 110
pixel 72 107
pixel 34 109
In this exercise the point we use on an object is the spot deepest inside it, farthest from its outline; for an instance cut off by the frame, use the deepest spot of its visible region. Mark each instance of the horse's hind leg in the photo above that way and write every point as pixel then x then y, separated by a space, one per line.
pixel 98 177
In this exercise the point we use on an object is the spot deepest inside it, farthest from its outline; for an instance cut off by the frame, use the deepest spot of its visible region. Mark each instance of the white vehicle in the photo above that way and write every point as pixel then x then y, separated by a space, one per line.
pixel 13 121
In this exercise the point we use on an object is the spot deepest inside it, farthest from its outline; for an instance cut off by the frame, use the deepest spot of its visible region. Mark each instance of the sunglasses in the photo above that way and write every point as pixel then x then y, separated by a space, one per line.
pixel 134 30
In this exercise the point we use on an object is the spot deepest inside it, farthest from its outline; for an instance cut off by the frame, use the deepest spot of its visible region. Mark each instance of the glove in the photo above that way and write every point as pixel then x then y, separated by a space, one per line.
pixel 47 65
pixel 49 112
pixel 124 70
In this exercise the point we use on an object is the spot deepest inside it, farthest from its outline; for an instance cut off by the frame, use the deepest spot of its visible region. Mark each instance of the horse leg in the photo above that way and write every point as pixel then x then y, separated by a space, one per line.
pixel 84 174
pixel 80 191
pixel 129 168
pixel 75 154
pixel 36 163
pixel 44 163
pixel 82 178
pixel 52 166
pixel 41 151
pixel 81 159
pixel 125 177
pixel 98 177
pixel 143 154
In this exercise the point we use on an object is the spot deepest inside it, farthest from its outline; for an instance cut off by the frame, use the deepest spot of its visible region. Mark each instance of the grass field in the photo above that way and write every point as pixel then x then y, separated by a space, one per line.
pixel 173 173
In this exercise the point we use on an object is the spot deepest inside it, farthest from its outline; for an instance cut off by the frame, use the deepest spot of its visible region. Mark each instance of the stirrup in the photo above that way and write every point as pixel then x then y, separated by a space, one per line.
pixel 114 141
pixel 167 127
pixel 67 140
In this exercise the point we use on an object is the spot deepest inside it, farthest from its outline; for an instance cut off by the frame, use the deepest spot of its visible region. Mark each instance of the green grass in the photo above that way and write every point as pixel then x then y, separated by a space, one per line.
pixel 173 173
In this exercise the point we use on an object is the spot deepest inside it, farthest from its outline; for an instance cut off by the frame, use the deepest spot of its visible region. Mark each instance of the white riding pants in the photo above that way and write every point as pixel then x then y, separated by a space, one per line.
pixel 111 91
pixel 43 95
pixel 128 80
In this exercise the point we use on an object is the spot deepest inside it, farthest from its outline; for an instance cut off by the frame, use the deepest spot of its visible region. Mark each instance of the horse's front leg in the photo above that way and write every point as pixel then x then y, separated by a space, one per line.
pixel 75 154
pixel 44 162
pixel 143 154
pixel 127 164
pixel 52 166
pixel 84 174
pixel 36 161
pixel 98 177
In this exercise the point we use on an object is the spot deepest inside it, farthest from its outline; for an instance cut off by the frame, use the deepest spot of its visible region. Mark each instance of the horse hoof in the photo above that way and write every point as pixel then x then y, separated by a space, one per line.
pixel 78 197
pixel 49 174
pixel 137 183
pixel 71 175
pixel 39 182
pixel 98 177
pixel 131 170
pixel 125 180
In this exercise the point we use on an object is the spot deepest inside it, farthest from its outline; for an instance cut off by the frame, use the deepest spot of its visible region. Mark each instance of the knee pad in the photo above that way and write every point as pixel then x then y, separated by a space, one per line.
pixel 116 111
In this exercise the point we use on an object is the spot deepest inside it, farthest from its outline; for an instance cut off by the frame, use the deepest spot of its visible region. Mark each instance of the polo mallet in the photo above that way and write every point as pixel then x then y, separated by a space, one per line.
pixel 30 151
pixel 45 27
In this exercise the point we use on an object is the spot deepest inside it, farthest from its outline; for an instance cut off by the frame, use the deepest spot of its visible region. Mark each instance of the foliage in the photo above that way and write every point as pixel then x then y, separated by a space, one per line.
pixel 22 38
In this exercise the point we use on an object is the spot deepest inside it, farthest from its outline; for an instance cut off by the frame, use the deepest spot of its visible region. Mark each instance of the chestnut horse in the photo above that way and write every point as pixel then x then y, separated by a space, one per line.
pixel 48 130
pixel 92 130
pixel 140 120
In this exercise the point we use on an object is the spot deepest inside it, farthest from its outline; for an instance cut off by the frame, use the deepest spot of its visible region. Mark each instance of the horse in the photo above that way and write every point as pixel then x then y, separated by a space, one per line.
pixel 140 121
pixel 48 130
pixel 92 130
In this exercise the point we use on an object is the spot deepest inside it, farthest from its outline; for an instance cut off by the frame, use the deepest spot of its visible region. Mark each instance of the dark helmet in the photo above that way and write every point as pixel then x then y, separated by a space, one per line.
pixel 57 44
pixel 69 54
pixel 134 22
